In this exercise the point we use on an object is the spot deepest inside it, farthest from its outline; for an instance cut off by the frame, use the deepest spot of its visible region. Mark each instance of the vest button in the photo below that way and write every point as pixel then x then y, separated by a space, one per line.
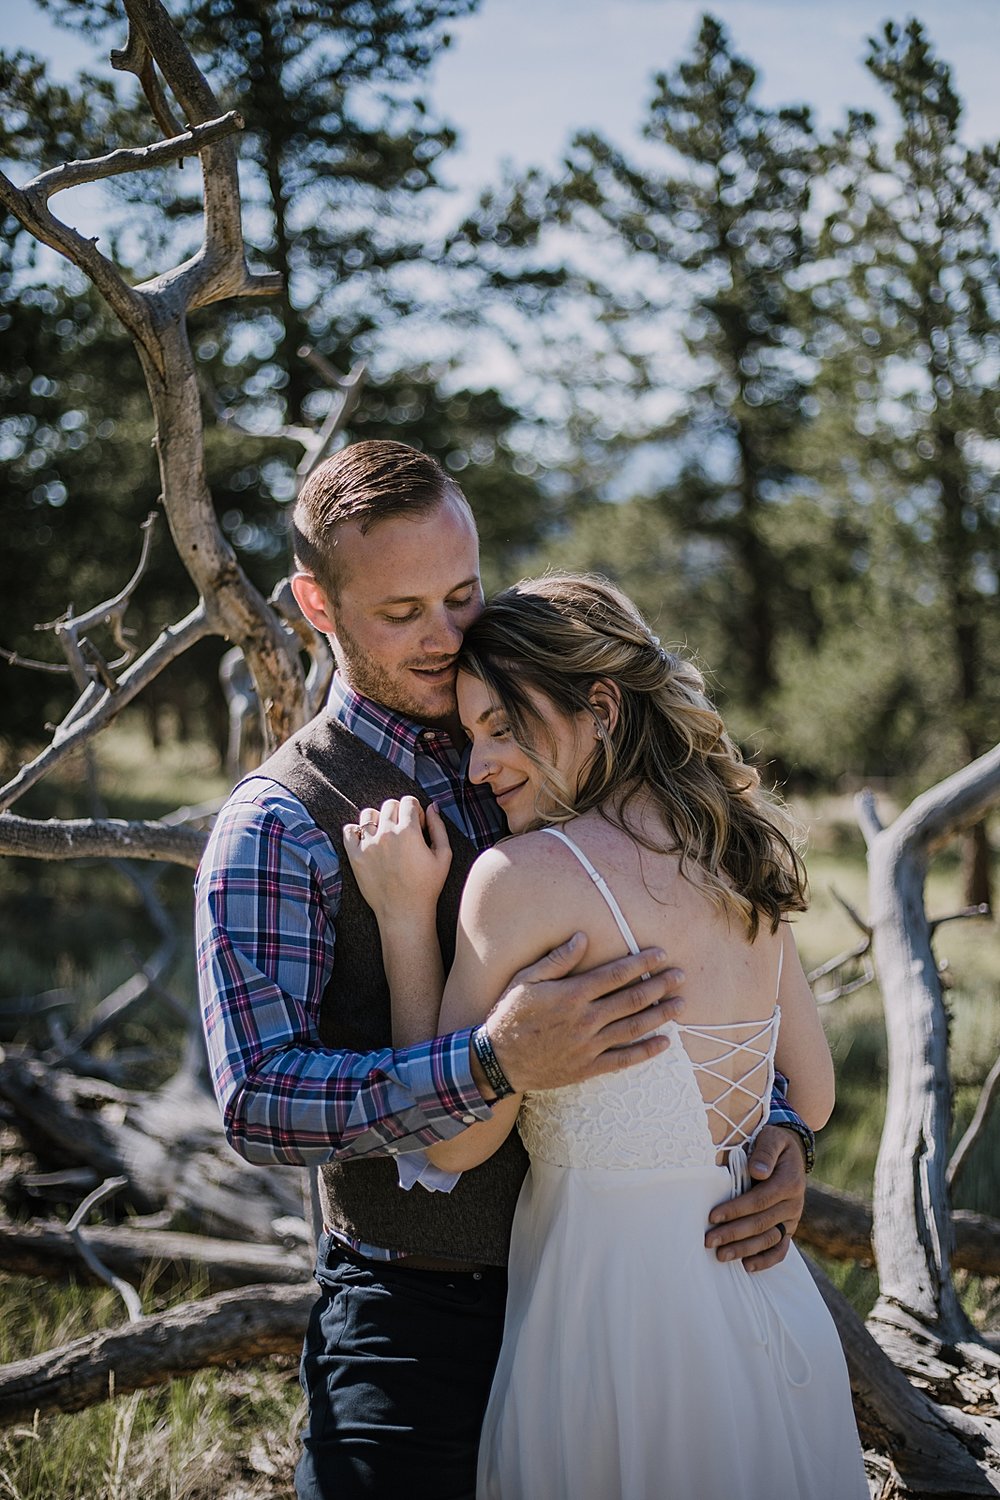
pixel 468 1119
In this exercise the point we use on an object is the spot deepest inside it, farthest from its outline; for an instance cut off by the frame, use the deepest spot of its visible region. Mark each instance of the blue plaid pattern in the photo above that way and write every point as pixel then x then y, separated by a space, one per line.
pixel 268 891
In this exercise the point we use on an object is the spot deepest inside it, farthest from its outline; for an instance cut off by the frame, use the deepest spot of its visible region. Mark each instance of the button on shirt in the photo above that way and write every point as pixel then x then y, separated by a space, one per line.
pixel 268 891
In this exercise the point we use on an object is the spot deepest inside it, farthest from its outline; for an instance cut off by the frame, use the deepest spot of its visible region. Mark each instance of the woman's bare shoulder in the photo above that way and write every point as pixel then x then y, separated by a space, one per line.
pixel 521 876
pixel 523 857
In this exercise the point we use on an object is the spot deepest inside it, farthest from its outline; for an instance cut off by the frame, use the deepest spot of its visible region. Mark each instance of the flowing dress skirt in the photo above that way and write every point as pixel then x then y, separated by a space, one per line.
pixel 636 1366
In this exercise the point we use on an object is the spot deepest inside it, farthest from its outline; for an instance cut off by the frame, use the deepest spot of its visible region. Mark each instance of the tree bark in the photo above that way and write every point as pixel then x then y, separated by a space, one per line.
pixel 927 1458
pixel 231 1327
pixel 142 1256
pixel 913 1236
pixel 839 1225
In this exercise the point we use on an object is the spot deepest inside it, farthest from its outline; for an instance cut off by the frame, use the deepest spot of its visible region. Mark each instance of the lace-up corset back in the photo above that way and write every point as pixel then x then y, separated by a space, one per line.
pixel 692 1106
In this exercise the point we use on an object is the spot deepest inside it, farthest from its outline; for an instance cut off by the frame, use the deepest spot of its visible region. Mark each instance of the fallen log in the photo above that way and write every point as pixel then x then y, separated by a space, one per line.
pixel 170 1145
pixel 147 1256
pixel 919 1441
pixel 923 1453
pixel 839 1225
pixel 232 1327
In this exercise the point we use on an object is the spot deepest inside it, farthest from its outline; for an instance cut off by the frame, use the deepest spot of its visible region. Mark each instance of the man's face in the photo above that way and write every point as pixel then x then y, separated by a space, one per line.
pixel 410 589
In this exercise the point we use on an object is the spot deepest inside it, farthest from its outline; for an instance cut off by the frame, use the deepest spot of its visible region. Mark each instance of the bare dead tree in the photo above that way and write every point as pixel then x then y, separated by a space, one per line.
pixel 155 315
pixel 919 1319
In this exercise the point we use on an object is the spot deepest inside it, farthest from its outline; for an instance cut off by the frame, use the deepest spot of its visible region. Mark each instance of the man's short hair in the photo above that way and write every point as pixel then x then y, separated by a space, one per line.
pixel 365 483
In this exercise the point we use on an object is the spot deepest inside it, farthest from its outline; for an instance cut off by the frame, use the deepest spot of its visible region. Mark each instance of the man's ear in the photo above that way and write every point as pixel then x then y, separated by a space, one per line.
pixel 313 602
pixel 605 702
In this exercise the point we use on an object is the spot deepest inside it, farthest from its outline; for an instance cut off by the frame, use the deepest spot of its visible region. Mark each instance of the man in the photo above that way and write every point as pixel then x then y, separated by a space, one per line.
pixel 401 1347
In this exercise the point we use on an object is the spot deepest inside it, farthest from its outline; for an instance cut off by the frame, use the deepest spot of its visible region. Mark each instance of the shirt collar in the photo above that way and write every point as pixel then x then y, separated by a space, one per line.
pixel 385 731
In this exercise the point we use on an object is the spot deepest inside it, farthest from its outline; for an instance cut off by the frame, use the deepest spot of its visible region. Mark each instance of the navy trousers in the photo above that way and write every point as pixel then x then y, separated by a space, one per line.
pixel 397 1366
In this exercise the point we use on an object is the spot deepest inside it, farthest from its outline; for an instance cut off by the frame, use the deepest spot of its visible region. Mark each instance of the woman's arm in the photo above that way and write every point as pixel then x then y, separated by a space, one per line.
pixel 501 927
pixel 803 1054
pixel 401 874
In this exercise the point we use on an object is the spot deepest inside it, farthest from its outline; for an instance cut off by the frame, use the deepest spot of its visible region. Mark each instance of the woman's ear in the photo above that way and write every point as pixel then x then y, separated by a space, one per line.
pixel 312 600
pixel 605 704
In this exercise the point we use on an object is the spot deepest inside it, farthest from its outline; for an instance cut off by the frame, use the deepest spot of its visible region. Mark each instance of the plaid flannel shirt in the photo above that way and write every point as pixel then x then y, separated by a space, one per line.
pixel 268 892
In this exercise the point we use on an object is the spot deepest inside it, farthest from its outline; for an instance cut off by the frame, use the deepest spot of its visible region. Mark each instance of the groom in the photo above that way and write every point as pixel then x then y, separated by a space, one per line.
pixel 401 1346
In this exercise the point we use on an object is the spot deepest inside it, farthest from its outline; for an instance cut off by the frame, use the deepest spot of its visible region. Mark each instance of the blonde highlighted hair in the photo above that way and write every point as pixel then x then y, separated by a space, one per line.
pixel 566 634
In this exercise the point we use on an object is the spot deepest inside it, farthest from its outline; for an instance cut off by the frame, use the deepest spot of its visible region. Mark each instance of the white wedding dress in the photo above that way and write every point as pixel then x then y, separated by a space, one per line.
pixel 635 1365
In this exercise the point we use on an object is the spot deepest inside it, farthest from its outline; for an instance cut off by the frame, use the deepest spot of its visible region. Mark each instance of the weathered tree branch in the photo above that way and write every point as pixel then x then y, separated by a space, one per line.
pixel 218 268
pixel 132 158
pixel 145 1255
pixel 240 1325
pixel 927 1455
pixel 102 706
pixel 111 613
pixel 984 1104
pixel 127 305
pixel 839 1225
pixel 913 1234
pixel 74 1229
pixel 168 1144
pixel 318 443
pixel 99 838
pixel 154 314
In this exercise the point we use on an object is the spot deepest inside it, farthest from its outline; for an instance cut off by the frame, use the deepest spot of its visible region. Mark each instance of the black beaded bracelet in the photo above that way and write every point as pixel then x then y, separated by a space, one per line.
pixel 495 1075
pixel 807 1138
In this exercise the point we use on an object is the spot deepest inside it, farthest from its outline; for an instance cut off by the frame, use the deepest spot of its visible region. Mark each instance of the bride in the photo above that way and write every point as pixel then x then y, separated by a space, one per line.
pixel 636 1364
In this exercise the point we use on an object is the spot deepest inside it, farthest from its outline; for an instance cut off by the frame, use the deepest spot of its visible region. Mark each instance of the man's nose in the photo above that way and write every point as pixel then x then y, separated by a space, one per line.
pixel 442 635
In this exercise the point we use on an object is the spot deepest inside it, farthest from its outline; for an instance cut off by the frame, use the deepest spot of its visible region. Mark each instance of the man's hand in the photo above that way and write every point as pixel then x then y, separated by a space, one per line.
pixel 548 1030
pixel 749 1228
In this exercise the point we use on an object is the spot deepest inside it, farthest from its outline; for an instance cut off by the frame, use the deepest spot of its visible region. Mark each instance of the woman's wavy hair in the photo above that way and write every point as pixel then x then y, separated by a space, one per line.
pixel 565 634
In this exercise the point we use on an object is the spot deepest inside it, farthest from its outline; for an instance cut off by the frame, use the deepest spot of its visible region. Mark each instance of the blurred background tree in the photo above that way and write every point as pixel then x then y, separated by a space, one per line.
pixel 755 368
pixel 337 160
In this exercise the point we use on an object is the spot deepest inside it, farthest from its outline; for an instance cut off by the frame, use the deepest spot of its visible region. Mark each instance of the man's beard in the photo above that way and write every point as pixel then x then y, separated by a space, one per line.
pixel 395 691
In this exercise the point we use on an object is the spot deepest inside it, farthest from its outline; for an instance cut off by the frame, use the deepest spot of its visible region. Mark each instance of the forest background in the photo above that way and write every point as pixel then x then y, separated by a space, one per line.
pixel 670 322
pixel 743 361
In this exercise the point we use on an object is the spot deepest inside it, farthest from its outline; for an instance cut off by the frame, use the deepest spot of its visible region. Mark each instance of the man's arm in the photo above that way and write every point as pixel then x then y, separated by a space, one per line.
pixel 267 894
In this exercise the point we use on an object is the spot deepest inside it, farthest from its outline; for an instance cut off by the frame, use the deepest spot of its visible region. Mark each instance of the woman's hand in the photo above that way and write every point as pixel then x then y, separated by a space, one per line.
pixel 400 856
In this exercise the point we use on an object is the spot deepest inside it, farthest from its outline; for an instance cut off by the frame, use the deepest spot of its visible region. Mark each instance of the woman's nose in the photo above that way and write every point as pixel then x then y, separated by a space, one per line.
pixel 479 767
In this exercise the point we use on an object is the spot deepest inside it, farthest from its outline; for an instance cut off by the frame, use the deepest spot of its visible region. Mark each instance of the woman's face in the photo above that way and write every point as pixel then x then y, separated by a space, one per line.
pixel 517 783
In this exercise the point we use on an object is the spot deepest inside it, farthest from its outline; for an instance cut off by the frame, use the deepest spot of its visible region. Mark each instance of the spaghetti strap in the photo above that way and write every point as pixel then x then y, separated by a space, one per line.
pixel 602 886
pixel 781 959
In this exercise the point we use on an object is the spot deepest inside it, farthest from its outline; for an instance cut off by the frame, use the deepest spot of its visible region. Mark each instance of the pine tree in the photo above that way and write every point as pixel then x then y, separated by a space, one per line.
pixel 918 280
pixel 725 221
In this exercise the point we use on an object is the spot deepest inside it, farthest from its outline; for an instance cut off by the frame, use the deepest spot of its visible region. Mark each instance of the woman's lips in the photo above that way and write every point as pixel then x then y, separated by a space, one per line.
pixel 508 791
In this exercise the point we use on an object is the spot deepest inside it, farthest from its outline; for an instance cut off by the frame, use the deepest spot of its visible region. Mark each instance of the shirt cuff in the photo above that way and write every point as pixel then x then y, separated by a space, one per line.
pixel 428 1090
pixel 414 1167
pixel 450 1062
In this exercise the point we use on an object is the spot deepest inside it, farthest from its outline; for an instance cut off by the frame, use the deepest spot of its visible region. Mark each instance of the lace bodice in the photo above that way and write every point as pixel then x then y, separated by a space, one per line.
pixel 692 1106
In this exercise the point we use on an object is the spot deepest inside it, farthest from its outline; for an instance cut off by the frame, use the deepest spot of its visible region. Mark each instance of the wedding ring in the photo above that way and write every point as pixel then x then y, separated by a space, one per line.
pixel 781 1230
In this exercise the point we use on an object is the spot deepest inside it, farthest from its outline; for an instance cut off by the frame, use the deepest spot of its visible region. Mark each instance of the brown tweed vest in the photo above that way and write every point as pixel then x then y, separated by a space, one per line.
pixel 334 775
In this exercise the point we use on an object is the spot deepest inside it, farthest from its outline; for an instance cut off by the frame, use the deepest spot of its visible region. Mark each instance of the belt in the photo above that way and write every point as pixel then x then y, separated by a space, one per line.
pixel 439 1263
pixel 419 1263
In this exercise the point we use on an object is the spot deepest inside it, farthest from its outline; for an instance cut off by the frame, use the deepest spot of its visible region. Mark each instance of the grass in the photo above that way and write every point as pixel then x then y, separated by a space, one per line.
pixel 218 1435
pixel 233 1434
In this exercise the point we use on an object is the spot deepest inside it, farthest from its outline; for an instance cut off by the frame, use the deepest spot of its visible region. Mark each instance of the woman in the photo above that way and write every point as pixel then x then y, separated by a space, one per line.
pixel 635 1363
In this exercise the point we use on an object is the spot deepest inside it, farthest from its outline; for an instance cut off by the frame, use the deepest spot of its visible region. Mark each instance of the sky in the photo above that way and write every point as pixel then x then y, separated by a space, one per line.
pixel 521 75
